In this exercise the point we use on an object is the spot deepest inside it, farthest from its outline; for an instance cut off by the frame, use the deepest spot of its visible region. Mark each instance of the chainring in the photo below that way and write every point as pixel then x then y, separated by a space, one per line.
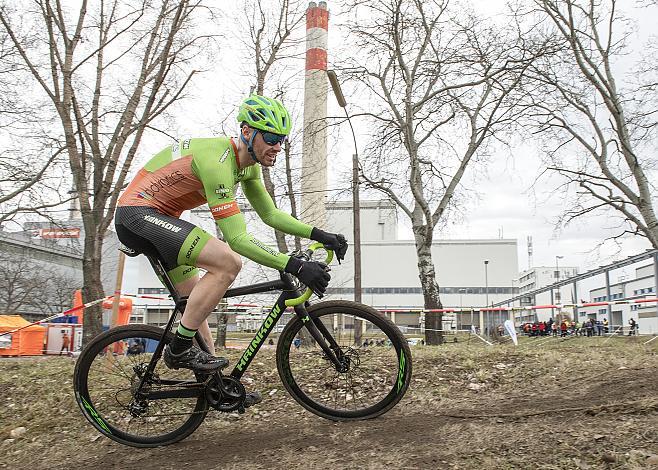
pixel 219 400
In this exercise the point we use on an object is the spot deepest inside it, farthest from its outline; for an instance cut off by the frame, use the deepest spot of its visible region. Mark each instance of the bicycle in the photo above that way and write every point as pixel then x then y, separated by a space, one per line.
pixel 128 394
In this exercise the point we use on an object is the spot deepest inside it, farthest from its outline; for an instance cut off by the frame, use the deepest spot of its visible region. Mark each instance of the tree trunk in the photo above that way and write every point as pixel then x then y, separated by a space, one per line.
pixel 93 285
pixel 431 298
pixel 222 321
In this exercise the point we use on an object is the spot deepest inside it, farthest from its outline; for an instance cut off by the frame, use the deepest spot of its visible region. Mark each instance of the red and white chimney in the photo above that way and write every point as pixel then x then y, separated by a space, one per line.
pixel 314 146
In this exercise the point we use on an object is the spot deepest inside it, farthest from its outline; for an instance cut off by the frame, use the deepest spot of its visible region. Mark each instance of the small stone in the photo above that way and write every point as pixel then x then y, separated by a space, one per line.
pixel 609 457
pixel 273 391
pixel 17 432
pixel 499 420
pixel 636 454
pixel 582 465
pixel 474 386
pixel 652 461
pixel 622 368
pixel 598 437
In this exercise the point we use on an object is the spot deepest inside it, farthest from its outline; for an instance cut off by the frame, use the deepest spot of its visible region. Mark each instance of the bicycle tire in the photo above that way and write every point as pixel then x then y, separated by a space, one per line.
pixel 398 380
pixel 81 384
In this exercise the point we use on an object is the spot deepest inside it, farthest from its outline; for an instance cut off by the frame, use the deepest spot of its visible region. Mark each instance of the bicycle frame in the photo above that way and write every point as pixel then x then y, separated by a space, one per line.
pixel 289 290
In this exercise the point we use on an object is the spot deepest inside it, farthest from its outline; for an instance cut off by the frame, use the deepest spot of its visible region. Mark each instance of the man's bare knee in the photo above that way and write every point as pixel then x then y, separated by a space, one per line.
pixel 235 264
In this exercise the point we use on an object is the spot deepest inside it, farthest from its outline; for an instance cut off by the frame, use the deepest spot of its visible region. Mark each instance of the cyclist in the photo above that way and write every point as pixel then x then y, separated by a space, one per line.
pixel 197 171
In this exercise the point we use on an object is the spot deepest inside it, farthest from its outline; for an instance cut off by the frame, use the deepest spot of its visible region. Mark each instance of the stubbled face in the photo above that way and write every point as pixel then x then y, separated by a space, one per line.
pixel 265 154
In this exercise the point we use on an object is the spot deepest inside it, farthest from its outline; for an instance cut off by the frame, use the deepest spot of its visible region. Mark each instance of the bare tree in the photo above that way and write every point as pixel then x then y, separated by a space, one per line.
pixel 598 123
pixel 269 41
pixel 33 288
pixel 439 84
pixel 20 282
pixel 108 70
pixel 272 42
pixel 28 181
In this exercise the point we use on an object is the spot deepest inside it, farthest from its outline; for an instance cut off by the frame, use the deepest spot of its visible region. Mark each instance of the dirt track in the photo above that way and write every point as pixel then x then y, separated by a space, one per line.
pixel 565 404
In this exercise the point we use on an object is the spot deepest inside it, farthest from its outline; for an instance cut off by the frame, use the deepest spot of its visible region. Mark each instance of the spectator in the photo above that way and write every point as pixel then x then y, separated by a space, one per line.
pixel 66 343
pixel 633 324
pixel 589 327
pixel 554 328
pixel 605 326
pixel 563 328
pixel 599 327
pixel 542 328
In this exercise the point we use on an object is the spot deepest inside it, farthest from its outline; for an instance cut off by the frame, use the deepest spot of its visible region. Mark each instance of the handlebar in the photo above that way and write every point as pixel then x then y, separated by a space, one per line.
pixel 308 292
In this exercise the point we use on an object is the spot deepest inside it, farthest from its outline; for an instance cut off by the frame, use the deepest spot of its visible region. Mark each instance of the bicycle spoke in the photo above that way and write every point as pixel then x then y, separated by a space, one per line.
pixel 371 372
pixel 113 379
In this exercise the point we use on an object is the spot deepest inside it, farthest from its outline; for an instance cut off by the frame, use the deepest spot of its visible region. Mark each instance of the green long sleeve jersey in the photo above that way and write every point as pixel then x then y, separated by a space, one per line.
pixel 192 172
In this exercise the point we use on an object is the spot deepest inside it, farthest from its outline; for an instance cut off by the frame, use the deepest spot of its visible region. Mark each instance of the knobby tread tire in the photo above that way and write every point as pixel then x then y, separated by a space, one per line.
pixel 80 386
pixel 360 311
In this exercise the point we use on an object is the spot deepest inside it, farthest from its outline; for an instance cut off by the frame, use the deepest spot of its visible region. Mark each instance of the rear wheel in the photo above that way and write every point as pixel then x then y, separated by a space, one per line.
pixel 375 373
pixel 106 383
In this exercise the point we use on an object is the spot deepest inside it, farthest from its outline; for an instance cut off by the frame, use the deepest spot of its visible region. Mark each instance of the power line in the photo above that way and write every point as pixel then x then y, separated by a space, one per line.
pixel 240 199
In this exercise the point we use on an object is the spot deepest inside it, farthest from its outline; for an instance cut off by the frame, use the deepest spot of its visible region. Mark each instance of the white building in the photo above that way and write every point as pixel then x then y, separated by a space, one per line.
pixel 389 268
pixel 536 278
pixel 643 286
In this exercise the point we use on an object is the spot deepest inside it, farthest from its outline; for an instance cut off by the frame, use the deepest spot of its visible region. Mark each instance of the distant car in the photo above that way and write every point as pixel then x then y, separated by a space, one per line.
pixel 415 341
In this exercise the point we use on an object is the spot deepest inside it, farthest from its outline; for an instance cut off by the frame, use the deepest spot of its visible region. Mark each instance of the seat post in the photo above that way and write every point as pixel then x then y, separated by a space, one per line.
pixel 161 272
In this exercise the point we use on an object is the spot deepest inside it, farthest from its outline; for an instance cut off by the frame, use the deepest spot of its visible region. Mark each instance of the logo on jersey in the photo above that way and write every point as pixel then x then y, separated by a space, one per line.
pixel 222 191
pixel 143 195
pixel 191 249
pixel 222 211
pixel 222 159
pixel 162 223
pixel 161 183
pixel 239 174
pixel 264 247
pixel 186 144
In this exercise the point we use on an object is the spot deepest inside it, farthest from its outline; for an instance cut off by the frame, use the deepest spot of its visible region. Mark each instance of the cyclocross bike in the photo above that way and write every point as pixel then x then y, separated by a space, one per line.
pixel 127 393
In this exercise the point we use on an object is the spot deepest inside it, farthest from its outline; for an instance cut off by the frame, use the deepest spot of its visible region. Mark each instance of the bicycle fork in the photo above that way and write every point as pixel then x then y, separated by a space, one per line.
pixel 321 334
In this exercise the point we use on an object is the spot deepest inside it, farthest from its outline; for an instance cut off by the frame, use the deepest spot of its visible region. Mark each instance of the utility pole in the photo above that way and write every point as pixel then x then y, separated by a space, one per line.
pixel 117 290
pixel 356 206
pixel 486 295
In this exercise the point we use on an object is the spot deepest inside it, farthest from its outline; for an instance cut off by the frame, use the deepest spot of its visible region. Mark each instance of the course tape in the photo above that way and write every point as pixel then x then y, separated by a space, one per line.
pixel 384 310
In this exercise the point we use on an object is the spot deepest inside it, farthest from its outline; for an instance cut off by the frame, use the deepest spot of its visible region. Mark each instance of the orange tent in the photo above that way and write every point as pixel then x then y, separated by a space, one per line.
pixel 26 342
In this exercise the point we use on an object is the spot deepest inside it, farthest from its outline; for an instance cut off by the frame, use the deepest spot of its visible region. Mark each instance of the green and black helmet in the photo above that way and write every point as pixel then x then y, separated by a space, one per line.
pixel 265 114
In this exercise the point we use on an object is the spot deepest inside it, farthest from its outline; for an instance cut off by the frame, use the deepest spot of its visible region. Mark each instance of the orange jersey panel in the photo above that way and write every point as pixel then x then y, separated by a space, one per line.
pixel 171 189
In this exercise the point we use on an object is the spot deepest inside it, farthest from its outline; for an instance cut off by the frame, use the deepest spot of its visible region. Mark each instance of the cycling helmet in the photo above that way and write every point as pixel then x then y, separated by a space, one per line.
pixel 265 114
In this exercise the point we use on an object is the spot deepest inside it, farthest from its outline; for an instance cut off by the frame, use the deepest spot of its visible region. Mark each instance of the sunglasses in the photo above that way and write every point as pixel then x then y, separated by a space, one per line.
pixel 272 139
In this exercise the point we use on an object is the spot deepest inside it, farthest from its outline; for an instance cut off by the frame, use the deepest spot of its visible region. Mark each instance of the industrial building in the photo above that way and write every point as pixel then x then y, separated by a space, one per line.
pixel 389 271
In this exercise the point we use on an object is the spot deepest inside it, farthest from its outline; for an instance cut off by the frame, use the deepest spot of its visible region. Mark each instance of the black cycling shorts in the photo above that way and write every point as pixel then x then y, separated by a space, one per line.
pixel 175 241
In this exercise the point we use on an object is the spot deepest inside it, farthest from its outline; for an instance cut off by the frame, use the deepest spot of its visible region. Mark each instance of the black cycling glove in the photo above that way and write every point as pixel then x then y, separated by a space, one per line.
pixel 312 274
pixel 333 241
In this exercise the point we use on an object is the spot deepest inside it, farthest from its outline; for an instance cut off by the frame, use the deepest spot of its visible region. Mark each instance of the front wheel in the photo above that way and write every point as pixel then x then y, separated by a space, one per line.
pixel 375 358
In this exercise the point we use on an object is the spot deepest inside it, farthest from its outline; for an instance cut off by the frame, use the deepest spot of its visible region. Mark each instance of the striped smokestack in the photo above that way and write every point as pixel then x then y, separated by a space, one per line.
pixel 314 159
